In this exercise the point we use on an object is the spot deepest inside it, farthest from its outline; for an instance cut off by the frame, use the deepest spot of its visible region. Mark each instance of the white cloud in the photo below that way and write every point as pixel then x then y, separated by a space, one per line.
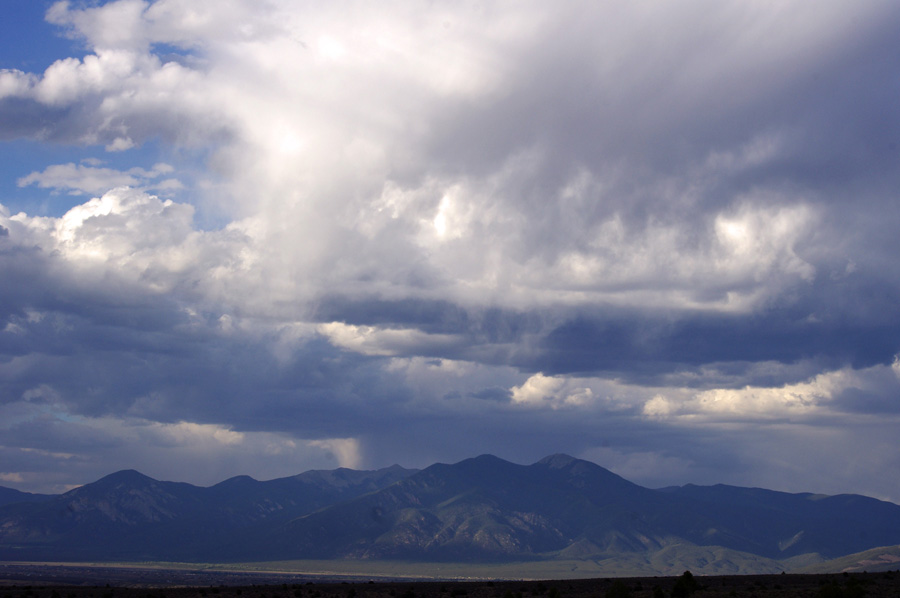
pixel 120 144
pixel 15 83
pixel 824 395
pixel 80 178
pixel 121 226
pixel 759 243
pixel 370 340
pixel 195 435
pixel 135 24
pixel 118 98
pixel 552 391
pixel 126 242
pixel 658 406
pixel 112 25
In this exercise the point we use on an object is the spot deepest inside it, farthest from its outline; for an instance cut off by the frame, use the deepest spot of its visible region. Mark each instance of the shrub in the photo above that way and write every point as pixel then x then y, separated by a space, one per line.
pixel 618 589
pixel 685 585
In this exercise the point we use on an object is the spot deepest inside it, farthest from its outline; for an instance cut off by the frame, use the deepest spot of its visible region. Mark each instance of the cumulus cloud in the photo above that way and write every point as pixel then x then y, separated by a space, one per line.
pixel 512 229
pixel 114 97
pixel 125 233
pixel 540 389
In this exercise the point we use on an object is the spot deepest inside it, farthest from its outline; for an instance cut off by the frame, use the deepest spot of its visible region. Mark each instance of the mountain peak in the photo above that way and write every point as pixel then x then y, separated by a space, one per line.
pixel 236 481
pixel 126 475
pixel 558 461
pixel 126 478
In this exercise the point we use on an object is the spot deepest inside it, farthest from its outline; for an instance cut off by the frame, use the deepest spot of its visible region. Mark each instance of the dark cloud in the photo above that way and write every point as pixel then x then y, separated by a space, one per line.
pixel 631 346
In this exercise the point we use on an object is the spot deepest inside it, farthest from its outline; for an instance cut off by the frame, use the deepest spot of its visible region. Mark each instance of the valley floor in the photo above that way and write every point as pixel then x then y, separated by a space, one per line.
pixel 18 580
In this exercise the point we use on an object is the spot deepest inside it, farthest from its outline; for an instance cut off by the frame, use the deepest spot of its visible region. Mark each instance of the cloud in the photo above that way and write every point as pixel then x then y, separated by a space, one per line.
pixel 192 452
pixel 81 178
pixel 115 97
pixel 12 477
pixel 836 393
pixel 644 467
pixel 345 450
pixel 621 232
pixel 371 341
pixel 540 389
pixel 445 220
pixel 120 232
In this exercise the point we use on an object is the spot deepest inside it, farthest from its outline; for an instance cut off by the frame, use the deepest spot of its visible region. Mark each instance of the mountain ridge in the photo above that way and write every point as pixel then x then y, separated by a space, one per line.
pixel 11 495
pixel 482 509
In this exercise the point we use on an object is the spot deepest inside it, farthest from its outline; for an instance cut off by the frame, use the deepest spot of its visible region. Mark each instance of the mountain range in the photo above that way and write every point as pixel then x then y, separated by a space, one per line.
pixel 481 510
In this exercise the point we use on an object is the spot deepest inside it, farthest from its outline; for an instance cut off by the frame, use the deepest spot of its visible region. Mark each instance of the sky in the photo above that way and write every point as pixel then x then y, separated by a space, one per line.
pixel 266 236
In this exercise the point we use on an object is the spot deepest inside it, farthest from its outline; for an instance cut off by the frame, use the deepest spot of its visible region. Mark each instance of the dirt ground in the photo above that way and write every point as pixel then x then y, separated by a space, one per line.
pixel 69 582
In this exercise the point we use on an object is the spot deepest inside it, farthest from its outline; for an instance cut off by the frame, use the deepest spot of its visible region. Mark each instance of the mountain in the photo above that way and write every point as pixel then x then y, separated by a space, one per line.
pixel 481 510
pixel 9 496
pixel 883 558
pixel 782 525
pixel 129 516
pixel 486 509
